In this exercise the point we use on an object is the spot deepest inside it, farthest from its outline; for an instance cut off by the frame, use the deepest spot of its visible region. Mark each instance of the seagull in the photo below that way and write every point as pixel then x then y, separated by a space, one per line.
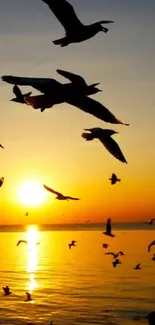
pixel 104 135
pixel 21 241
pixel 137 267
pixel 108 229
pixel 151 244
pixel 76 32
pixel 59 195
pixel 72 244
pixel 1 181
pixel 7 291
pixel 116 262
pixel 114 179
pixel 28 296
pixel 150 222
pixel 19 96
pixel 115 255
pixel 105 246
pixel 1 146
pixel 26 214
pixel 151 318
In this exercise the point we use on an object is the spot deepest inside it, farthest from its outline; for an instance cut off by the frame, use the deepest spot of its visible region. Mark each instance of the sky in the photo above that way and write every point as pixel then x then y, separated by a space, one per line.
pixel 48 146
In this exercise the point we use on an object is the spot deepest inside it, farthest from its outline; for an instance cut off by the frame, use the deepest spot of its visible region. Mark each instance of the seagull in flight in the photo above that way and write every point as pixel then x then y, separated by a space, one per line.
pixel 151 244
pixel 150 222
pixel 116 262
pixel 76 31
pixel 1 181
pixel 114 179
pixel 115 255
pixel 105 245
pixel 7 291
pixel 21 241
pixel 26 214
pixel 137 267
pixel 108 229
pixel 28 296
pixel 73 242
pixel 104 135
pixel 19 96
pixel 59 195
pixel 1 146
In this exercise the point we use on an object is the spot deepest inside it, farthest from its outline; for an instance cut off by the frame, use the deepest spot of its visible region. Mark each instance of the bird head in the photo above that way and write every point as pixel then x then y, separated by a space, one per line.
pixel 109 132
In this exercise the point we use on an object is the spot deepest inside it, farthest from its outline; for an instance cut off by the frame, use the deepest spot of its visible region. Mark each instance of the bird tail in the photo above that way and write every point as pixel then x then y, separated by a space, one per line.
pixel 88 136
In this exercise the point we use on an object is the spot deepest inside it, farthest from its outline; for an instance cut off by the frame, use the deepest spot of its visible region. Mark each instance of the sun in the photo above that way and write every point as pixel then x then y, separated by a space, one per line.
pixel 31 193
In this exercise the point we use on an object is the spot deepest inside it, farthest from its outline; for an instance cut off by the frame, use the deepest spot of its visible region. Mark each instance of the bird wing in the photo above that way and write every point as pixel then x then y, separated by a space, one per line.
pixel 1 146
pixel 94 108
pixel 52 191
pixel 108 226
pixel 72 198
pixel 21 241
pixel 151 244
pixel 65 13
pixel 1 181
pixel 138 265
pixel 17 91
pixel 74 78
pixel 112 146
pixel 39 101
pixel 110 253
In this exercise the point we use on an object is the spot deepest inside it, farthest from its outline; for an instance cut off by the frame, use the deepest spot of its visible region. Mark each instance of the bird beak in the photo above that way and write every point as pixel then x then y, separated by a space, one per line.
pixel 94 85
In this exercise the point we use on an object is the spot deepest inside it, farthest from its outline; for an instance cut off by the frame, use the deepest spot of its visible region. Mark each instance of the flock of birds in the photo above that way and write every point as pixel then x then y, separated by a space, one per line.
pixel 76 92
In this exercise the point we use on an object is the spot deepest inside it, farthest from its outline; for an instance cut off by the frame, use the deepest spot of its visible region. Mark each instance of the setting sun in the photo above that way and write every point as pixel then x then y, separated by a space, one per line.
pixel 31 193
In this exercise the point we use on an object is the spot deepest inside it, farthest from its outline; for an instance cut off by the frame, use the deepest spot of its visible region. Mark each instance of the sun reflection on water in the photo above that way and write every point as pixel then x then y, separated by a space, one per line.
pixel 32 237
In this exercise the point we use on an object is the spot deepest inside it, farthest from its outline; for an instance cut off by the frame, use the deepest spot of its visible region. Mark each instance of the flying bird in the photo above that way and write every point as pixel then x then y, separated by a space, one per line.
pixel 21 241
pixel 1 181
pixel 72 244
pixel 108 229
pixel 114 179
pixel 26 214
pixel 76 31
pixel 151 244
pixel 116 262
pixel 7 291
pixel 105 245
pixel 59 195
pixel 137 267
pixel 1 146
pixel 104 135
pixel 19 96
pixel 28 296
pixel 150 222
pixel 115 255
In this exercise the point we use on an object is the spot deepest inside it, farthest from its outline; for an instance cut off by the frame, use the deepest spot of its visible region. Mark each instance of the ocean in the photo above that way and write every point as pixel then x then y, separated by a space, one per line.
pixel 78 285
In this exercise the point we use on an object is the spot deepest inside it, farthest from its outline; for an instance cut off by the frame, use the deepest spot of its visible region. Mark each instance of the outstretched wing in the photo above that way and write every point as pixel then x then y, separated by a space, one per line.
pixel 17 91
pixel 39 101
pixel 113 148
pixel 51 190
pixel 65 13
pixel 110 253
pixel 72 198
pixel 108 226
pixel 151 244
pixel 74 78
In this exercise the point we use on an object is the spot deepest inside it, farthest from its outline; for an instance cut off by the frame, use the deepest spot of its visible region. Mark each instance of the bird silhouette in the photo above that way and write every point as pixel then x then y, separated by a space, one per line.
pixel 115 255
pixel 1 146
pixel 108 229
pixel 21 241
pixel 59 195
pixel 114 179
pixel 153 257
pixel 104 135
pixel 19 96
pixel 7 291
pixel 1 181
pixel 150 245
pixel 26 214
pixel 105 245
pixel 28 296
pixel 116 262
pixel 137 267
pixel 75 31
pixel 73 242
pixel 150 222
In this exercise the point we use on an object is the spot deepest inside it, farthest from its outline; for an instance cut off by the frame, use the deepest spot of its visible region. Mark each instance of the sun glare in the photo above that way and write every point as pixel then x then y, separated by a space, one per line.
pixel 32 193
pixel 32 237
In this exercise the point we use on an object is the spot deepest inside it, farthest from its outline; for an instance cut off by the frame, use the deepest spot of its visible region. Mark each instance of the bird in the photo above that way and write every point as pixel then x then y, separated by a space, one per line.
pixel 59 195
pixel 26 214
pixel 114 179
pixel 21 241
pixel 137 267
pixel 105 245
pixel 73 242
pixel 76 31
pixel 153 257
pixel 115 255
pixel 1 181
pixel 28 296
pixel 104 135
pixel 19 96
pixel 151 318
pixel 7 291
pixel 116 262
pixel 108 229
pixel 150 245
pixel 1 146
pixel 150 222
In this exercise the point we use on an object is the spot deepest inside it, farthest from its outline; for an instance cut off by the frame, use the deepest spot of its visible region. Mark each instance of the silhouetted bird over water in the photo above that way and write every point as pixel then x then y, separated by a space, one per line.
pixel 116 262
pixel 108 229
pixel 72 244
pixel 19 96
pixel 1 181
pixel 105 246
pixel 76 32
pixel 114 179
pixel 137 267
pixel 28 296
pixel 21 241
pixel 115 255
pixel 7 291
pixel 151 244
pixel 150 222
pixel 104 135
pixel 59 195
